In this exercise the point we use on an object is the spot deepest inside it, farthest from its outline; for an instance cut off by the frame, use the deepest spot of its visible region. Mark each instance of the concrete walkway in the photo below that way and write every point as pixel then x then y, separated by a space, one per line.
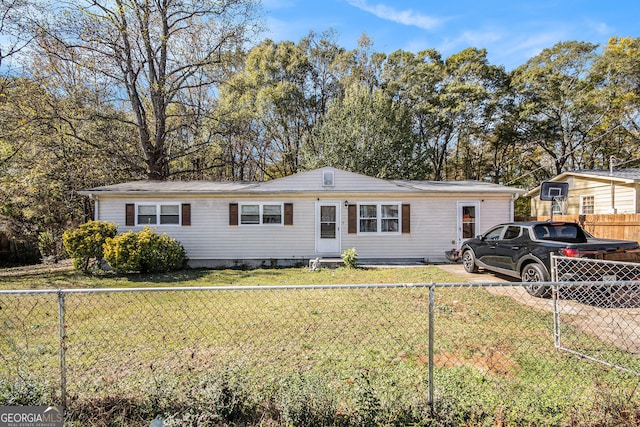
pixel 482 277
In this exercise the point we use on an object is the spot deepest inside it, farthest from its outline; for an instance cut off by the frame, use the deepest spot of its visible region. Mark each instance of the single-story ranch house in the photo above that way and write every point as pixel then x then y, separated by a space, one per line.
pixel 308 215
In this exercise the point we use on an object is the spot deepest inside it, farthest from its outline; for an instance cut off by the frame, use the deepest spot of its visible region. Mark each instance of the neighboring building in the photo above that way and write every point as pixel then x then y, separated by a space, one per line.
pixel 309 215
pixel 593 192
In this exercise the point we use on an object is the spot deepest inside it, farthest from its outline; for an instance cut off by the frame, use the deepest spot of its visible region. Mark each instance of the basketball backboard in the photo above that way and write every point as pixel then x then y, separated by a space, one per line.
pixel 549 190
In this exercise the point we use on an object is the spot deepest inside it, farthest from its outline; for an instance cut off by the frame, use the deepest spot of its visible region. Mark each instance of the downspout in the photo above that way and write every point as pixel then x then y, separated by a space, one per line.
pixel 512 204
pixel 613 185
pixel 96 209
pixel 613 197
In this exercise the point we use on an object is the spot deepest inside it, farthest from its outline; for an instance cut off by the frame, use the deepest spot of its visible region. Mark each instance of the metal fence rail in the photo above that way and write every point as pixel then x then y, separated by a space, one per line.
pixel 419 345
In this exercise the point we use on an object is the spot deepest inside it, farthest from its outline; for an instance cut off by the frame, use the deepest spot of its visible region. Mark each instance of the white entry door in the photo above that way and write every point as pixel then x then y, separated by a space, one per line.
pixel 328 229
pixel 468 220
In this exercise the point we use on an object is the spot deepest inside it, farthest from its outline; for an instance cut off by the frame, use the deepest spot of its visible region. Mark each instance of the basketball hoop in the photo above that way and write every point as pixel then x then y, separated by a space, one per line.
pixel 556 193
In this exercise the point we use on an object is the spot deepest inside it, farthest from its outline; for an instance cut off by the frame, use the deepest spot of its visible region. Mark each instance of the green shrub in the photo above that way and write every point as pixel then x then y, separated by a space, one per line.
pixel 145 252
pixel 84 243
pixel 350 258
pixel 122 252
pixel 159 253
pixel 49 246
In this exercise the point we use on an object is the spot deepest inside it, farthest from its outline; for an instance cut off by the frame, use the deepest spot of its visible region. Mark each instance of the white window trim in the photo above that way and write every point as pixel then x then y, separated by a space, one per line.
pixel 584 196
pixel 260 214
pixel 379 219
pixel 157 205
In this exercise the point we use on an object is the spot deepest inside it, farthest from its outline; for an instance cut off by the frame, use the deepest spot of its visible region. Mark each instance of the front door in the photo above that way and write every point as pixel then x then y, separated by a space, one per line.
pixel 328 229
pixel 468 215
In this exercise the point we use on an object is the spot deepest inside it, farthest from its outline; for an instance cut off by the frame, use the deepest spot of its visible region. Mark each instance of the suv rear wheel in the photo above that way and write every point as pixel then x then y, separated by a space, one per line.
pixel 533 273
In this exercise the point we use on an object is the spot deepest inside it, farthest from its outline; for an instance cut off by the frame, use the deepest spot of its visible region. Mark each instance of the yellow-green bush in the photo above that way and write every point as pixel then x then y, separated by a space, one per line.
pixel 84 244
pixel 122 252
pixel 159 252
pixel 145 251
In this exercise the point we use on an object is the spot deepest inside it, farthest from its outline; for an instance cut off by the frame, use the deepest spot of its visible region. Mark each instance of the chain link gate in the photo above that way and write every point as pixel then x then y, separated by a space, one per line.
pixel 601 298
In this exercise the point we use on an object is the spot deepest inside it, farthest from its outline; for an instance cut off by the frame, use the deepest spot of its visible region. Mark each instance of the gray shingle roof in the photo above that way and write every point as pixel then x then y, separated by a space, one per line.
pixel 300 183
pixel 628 174
pixel 459 187
pixel 172 187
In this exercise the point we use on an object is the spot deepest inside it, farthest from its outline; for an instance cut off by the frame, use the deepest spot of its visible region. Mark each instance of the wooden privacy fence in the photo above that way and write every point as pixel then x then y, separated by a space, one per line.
pixel 610 226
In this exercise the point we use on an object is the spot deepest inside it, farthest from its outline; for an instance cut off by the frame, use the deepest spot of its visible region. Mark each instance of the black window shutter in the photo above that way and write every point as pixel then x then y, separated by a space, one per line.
pixel 352 219
pixel 406 218
pixel 130 214
pixel 186 214
pixel 233 214
pixel 288 214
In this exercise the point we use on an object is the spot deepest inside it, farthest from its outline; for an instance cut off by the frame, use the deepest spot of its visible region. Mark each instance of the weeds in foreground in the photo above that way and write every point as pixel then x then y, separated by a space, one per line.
pixel 234 396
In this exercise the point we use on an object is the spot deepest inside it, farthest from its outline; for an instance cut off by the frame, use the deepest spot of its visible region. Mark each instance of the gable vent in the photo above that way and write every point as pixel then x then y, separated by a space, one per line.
pixel 327 179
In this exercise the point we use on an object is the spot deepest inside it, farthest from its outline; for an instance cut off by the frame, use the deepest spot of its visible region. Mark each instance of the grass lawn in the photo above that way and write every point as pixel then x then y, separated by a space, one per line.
pixel 67 278
pixel 301 357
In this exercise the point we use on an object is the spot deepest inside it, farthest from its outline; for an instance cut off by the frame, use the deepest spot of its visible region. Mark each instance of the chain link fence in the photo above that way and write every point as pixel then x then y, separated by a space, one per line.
pixel 427 354
pixel 605 303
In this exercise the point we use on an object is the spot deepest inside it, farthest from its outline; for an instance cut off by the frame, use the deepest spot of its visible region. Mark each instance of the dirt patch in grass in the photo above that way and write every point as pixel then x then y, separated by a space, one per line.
pixel 494 360
pixel 37 269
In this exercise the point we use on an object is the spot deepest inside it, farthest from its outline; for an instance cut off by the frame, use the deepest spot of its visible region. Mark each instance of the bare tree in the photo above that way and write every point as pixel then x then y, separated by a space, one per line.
pixel 156 52
pixel 14 28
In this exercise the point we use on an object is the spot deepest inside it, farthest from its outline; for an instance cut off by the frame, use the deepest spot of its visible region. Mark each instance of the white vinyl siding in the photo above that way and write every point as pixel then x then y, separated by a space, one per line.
pixel 433 228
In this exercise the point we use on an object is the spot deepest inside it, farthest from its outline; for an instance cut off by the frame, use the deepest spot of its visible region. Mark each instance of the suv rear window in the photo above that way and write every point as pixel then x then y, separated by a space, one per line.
pixel 561 232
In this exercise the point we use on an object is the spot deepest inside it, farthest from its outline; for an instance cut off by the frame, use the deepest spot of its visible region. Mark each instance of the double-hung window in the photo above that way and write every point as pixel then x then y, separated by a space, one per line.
pixel 261 214
pixel 158 214
pixel 587 204
pixel 379 218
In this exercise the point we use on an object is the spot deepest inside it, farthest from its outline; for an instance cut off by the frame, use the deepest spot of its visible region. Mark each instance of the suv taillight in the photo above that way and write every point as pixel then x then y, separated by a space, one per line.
pixel 570 252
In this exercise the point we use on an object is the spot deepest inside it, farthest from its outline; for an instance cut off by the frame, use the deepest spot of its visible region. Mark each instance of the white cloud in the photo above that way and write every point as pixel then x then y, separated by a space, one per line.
pixel 599 27
pixel 515 50
pixel 404 17
pixel 479 39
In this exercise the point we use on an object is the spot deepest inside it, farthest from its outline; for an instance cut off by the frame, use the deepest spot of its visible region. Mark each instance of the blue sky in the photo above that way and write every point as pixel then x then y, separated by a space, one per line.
pixel 511 31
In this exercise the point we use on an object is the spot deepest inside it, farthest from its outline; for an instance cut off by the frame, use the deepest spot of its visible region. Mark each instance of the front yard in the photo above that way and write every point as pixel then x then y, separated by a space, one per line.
pixel 299 356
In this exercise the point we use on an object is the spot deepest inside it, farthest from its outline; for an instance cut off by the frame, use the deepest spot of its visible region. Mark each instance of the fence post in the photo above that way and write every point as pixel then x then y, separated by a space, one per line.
pixel 554 295
pixel 62 349
pixel 432 289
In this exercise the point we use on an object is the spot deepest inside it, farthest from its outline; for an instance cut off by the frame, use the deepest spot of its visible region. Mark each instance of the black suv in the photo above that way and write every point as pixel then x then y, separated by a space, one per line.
pixel 523 250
